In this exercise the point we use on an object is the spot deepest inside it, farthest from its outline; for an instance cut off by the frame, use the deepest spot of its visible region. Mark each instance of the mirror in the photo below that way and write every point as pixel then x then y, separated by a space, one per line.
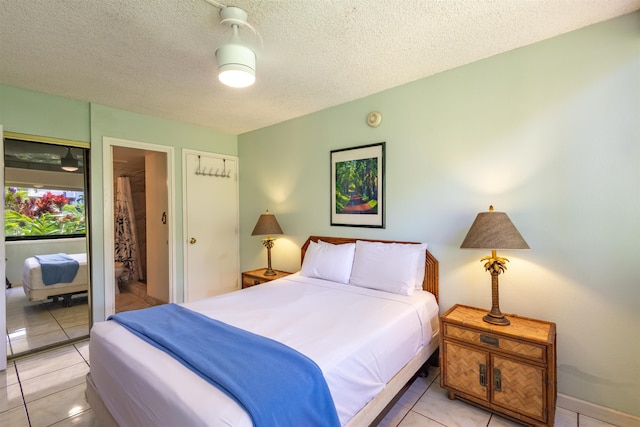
pixel 47 283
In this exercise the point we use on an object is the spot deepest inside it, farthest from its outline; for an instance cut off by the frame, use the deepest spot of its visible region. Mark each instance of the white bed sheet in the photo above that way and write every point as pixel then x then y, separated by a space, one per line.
pixel 359 337
pixel 32 274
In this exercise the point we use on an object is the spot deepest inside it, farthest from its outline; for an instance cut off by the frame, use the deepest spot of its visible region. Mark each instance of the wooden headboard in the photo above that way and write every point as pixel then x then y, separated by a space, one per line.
pixel 430 282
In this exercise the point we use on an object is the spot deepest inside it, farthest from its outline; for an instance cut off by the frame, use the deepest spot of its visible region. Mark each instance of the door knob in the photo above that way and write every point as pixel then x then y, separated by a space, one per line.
pixel 192 240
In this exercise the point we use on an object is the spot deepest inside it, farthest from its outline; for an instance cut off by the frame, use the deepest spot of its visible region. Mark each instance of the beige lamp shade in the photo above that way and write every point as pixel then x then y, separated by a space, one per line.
pixel 493 230
pixel 267 224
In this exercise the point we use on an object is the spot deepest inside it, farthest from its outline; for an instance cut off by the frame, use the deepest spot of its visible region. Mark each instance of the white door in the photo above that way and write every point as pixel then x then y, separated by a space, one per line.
pixel 211 224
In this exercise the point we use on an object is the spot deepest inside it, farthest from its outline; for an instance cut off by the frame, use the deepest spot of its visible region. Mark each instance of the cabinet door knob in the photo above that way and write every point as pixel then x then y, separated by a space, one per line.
pixel 497 379
pixel 192 240
pixel 483 375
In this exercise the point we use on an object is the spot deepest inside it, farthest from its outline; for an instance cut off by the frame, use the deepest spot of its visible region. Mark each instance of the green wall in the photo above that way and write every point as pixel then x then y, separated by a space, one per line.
pixel 35 113
pixel 548 133
pixel 114 123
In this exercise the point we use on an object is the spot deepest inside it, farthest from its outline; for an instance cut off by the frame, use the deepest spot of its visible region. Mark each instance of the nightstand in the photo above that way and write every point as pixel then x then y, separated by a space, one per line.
pixel 257 277
pixel 510 370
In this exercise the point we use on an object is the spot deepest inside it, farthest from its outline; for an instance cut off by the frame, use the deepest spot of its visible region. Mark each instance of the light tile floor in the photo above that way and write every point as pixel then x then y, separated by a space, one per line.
pixel 425 404
pixel 36 324
pixel 47 389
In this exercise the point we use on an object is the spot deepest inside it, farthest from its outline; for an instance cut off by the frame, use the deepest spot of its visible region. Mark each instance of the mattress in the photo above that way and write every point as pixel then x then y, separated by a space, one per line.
pixel 359 337
pixel 35 288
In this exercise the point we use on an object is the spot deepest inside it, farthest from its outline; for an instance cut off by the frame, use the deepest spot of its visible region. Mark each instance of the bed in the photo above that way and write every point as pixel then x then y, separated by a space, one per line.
pixel 369 343
pixel 36 290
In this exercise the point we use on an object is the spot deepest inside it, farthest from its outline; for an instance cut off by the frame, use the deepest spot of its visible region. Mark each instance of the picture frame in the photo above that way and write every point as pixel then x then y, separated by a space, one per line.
pixel 357 186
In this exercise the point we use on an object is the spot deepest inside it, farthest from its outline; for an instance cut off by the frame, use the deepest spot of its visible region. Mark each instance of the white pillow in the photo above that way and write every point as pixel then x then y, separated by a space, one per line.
pixel 329 262
pixel 422 259
pixel 390 267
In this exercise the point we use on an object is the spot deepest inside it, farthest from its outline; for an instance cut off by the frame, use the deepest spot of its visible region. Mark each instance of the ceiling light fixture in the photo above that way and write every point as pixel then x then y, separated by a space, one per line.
pixel 236 62
pixel 68 162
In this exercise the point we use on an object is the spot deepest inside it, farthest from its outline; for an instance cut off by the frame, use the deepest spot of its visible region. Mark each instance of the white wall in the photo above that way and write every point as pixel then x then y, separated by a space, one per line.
pixel 549 134
pixel 31 178
pixel 17 251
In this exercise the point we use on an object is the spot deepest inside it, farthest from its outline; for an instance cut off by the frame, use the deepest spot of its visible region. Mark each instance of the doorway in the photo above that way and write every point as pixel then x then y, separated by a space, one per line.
pixel 45 182
pixel 139 225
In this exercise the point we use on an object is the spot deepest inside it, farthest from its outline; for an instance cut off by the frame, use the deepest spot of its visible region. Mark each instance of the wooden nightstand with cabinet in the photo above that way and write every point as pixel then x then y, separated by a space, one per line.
pixel 257 277
pixel 510 370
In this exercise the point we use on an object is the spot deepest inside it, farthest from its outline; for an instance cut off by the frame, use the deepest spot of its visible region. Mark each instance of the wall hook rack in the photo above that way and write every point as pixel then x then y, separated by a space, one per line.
pixel 202 171
pixel 198 170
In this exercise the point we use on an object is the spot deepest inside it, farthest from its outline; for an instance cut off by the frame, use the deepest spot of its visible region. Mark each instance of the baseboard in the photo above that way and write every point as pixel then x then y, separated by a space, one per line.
pixel 598 412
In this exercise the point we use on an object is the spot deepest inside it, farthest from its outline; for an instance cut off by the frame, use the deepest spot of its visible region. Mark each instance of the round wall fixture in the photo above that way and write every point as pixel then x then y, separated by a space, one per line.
pixel 374 118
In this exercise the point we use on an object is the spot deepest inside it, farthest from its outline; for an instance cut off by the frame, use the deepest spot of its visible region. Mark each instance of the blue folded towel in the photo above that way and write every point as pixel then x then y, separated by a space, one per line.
pixel 57 268
pixel 276 385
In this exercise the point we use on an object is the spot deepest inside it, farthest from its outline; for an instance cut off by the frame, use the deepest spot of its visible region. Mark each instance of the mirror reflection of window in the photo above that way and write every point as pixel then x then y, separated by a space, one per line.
pixel 45 214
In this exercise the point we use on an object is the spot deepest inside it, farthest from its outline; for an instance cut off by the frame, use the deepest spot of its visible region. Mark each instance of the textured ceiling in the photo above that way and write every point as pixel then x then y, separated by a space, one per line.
pixel 157 57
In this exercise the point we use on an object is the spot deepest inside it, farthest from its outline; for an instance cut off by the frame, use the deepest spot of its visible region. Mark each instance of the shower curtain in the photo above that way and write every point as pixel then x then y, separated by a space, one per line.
pixel 126 240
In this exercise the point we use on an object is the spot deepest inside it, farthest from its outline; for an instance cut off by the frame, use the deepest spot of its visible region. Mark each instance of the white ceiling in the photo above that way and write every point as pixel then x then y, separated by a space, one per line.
pixel 157 57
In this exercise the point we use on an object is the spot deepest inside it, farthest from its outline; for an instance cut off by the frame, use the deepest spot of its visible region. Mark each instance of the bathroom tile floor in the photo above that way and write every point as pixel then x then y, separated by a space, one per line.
pixel 127 301
pixel 47 389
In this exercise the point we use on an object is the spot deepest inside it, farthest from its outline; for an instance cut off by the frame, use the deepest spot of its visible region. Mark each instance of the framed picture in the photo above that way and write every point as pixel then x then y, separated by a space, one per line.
pixel 357 186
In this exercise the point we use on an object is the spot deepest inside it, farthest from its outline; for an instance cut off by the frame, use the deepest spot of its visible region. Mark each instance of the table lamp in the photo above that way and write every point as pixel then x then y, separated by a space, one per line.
pixel 267 225
pixel 494 230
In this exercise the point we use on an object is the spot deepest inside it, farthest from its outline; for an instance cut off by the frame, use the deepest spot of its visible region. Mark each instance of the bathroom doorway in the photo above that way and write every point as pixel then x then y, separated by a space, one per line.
pixel 138 256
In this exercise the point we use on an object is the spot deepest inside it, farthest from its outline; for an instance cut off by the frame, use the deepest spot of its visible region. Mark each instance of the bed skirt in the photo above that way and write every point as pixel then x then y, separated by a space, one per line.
pixel 97 405
pixel 377 407
pixel 372 412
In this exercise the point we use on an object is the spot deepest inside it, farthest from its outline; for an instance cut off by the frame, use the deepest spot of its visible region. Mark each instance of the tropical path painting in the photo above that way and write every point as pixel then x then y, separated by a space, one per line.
pixel 357 186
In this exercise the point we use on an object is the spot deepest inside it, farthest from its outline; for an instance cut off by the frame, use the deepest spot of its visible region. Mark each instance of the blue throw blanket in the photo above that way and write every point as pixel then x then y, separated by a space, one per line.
pixel 57 268
pixel 275 384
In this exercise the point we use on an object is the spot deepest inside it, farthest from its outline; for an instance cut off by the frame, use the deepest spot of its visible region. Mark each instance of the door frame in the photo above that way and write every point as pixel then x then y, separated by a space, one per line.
pixel 108 193
pixel 185 226
pixel 52 141
pixel 3 267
